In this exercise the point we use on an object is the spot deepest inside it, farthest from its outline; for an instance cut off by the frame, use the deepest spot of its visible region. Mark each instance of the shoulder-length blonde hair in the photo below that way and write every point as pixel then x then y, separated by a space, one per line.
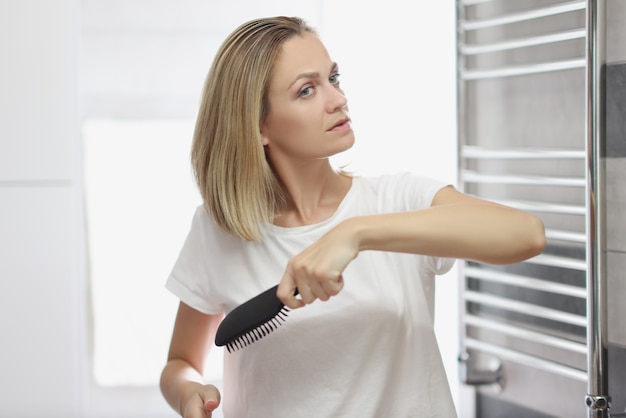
pixel 237 184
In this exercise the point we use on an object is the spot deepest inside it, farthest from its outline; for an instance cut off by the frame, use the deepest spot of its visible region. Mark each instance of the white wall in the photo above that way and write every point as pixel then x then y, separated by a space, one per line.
pixel 398 71
pixel 41 261
pixel 401 89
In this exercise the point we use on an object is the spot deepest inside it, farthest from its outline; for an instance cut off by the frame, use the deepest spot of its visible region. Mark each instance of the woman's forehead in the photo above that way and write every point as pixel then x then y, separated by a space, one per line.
pixel 303 54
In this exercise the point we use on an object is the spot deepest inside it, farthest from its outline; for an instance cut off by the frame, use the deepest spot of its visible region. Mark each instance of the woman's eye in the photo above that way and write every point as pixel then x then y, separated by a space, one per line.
pixel 334 79
pixel 307 91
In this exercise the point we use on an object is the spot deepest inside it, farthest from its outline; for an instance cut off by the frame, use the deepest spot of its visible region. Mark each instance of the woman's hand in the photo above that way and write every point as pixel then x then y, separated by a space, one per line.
pixel 182 383
pixel 317 271
pixel 202 403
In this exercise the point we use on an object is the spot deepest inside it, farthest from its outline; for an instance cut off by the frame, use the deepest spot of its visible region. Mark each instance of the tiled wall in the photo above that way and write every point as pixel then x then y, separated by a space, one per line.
pixel 616 196
pixel 616 227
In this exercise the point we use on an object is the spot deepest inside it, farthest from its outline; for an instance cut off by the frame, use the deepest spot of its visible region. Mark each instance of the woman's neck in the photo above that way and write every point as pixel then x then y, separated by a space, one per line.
pixel 312 196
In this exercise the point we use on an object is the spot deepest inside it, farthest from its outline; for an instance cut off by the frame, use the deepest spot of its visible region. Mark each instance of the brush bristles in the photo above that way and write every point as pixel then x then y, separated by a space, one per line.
pixel 258 332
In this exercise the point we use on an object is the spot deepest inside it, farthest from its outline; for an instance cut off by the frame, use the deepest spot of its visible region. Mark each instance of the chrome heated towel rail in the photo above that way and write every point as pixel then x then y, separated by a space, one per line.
pixel 530 72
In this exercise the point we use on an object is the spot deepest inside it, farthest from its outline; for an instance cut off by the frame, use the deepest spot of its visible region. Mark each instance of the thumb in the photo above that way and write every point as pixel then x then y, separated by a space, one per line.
pixel 211 405
pixel 287 291
pixel 211 398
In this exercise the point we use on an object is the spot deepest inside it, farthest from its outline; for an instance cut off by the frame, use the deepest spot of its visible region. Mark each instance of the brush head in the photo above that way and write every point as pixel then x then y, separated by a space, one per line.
pixel 251 321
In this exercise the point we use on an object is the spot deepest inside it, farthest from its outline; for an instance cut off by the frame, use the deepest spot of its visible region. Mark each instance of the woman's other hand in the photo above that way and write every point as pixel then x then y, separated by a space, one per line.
pixel 182 383
pixel 202 402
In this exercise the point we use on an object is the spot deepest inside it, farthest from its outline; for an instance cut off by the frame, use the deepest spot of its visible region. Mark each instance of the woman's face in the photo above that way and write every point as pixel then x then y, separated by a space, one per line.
pixel 308 116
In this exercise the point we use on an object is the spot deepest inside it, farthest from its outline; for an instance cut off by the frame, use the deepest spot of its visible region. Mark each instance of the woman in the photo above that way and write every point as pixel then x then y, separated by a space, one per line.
pixel 276 211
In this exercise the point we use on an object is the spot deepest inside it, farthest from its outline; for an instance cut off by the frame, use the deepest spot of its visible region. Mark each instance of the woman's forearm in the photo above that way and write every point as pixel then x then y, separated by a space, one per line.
pixel 182 383
pixel 486 233
pixel 179 381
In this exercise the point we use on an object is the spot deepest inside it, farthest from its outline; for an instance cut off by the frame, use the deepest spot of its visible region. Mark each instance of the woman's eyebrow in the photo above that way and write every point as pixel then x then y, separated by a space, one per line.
pixel 310 76
pixel 314 74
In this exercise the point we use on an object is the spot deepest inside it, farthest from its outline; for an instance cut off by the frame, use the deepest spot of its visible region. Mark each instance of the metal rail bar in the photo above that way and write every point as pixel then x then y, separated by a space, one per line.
pixel 523 69
pixel 525 282
pixel 523 16
pixel 566 236
pixel 525 334
pixel 557 261
pixel 598 399
pixel 481 153
pixel 525 308
pixel 474 2
pixel 527 360
pixel 475 177
pixel 533 206
pixel 468 49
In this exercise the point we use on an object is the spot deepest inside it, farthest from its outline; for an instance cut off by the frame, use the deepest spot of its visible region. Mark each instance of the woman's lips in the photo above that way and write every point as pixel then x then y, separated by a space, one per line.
pixel 342 125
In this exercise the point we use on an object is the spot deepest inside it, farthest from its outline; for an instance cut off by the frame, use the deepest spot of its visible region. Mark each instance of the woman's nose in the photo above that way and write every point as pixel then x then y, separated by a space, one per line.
pixel 337 99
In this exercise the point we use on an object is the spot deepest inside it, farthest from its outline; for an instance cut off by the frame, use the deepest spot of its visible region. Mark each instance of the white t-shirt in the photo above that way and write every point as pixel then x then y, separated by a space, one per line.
pixel 369 351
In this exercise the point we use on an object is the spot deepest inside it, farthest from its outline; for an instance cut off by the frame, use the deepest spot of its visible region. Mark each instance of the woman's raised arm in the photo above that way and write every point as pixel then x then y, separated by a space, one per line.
pixel 455 226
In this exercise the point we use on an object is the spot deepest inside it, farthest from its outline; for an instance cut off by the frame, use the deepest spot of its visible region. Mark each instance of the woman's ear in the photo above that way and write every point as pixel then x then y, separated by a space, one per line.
pixel 264 140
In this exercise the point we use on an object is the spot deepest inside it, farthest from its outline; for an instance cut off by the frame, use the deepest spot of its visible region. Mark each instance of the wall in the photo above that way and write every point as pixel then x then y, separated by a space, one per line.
pixel 41 295
pixel 616 196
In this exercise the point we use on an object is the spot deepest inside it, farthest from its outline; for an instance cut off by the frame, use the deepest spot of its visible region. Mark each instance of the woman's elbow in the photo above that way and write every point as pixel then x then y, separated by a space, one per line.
pixel 529 241
pixel 535 241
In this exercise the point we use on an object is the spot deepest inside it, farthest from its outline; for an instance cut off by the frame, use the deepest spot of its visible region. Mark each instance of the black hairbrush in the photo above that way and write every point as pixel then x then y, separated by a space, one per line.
pixel 251 321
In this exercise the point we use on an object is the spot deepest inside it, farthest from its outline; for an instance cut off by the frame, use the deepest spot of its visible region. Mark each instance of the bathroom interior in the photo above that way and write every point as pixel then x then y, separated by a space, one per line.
pixel 522 102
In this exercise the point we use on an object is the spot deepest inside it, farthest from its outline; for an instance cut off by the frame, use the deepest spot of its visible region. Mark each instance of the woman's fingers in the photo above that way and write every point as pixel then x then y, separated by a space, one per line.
pixel 317 272
pixel 311 284
pixel 287 291
pixel 332 287
pixel 312 289
pixel 203 403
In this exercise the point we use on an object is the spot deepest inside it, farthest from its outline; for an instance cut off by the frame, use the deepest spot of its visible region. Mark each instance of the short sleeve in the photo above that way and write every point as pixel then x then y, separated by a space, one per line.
pixel 407 191
pixel 417 192
pixel 189 279
pixel 440 265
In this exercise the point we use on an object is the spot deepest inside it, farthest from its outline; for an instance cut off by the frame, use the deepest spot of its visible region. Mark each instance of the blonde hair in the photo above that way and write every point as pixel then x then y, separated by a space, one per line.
pixel 238 187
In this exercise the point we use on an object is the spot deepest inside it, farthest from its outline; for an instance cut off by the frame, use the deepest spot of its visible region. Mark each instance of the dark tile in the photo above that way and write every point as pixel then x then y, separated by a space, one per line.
pixel 616 110
pixel 491 407
pixel 617 377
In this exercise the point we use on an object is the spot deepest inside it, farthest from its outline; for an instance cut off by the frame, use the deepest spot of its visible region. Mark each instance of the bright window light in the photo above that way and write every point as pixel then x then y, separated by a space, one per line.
pixel 140 198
